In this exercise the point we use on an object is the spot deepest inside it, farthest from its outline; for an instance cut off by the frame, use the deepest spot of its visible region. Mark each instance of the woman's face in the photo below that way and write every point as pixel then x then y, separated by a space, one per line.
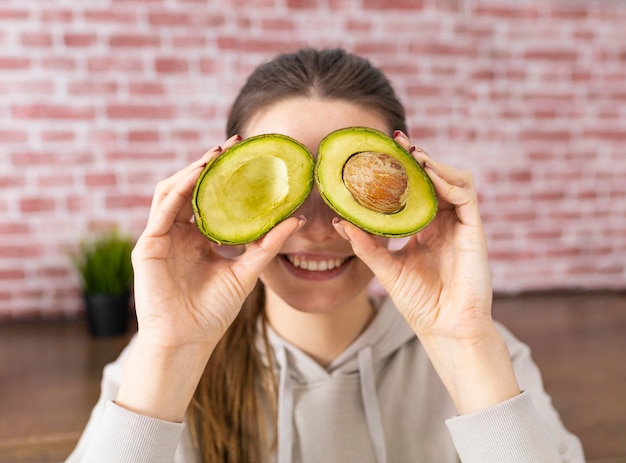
pixel 316 270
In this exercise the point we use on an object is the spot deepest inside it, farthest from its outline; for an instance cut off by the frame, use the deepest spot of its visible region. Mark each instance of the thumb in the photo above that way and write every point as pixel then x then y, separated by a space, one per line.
pixel 259 253
pixel 371 251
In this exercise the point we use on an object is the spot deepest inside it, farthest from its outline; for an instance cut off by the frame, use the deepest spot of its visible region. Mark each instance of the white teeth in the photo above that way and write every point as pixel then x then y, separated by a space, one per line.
pixel 315 265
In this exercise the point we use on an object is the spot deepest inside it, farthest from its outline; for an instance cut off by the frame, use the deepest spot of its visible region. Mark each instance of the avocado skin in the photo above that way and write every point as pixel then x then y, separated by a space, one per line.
pixel 250 231
pixel 337 147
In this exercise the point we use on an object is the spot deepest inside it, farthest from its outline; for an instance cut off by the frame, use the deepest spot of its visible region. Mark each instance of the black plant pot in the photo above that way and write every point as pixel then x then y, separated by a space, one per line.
pixel 107 314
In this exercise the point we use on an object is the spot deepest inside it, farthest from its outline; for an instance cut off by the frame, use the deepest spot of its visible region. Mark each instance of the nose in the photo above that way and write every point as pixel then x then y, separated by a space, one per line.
pixel 319 218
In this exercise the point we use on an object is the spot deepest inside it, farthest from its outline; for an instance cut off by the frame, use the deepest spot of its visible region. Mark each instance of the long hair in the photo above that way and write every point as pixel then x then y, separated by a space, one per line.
pixel 228 414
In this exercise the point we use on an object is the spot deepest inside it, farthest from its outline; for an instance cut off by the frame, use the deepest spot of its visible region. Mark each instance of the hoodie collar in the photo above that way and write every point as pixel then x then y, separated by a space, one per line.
pixel 387 332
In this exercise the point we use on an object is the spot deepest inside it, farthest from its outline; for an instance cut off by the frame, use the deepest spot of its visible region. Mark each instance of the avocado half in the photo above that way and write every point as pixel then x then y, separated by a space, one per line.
pixel 251 187
pixel 417 205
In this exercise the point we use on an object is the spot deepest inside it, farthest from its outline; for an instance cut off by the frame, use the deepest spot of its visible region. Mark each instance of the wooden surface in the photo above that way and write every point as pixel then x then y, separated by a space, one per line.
pixel 50 374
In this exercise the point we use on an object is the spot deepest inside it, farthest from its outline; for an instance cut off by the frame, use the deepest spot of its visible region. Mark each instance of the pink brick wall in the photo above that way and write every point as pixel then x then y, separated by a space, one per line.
pixel 101 99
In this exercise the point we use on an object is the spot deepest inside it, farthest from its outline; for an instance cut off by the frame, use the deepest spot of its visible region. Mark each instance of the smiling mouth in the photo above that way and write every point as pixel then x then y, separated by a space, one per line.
pixel 315 265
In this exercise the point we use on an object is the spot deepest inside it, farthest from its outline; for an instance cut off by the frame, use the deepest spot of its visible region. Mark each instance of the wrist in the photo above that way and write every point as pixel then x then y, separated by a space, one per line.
pixel 160 381
pixel 477 372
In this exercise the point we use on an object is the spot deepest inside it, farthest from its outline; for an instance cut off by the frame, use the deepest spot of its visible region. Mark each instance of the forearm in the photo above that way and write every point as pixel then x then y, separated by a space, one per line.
pixel 477 373
pixel 160 382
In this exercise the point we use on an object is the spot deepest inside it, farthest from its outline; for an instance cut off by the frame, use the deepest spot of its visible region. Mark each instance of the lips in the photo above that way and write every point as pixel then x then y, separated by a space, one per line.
pixel 314 265
pixel 315 268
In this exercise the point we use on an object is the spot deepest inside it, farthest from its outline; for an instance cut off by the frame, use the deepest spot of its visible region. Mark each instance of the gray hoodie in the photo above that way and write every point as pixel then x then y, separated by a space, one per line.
pixel 380 401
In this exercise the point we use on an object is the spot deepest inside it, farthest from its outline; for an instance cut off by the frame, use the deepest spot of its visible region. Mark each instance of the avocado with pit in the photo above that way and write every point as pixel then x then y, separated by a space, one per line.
pixel 367 178
pixel 251 187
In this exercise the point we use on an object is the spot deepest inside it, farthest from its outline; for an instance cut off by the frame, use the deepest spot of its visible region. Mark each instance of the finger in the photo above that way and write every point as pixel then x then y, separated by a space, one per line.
pixel 456 188
pixel 259 253
pixel 176 205
pixel 371 251
pixel 165 186
pixel 232 141
pixel 402 139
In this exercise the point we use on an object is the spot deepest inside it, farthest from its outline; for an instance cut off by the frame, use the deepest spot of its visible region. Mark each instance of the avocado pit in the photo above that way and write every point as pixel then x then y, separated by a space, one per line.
pixel 376 181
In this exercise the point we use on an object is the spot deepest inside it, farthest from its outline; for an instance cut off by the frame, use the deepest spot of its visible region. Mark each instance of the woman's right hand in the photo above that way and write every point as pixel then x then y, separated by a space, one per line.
pixel 185 291
pixel 186 296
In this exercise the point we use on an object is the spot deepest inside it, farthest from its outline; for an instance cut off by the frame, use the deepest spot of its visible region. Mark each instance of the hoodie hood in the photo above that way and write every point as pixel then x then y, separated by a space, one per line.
pixel 306 388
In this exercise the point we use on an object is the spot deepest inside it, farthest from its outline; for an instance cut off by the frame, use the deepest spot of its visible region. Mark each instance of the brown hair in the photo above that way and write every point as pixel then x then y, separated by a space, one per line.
pixel 227 415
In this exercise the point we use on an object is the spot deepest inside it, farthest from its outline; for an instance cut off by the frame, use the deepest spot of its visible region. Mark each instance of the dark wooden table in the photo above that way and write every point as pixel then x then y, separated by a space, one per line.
pixel 50 374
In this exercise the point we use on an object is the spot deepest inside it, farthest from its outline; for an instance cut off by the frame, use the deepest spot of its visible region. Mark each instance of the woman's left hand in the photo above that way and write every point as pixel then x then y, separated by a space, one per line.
pixel 440 280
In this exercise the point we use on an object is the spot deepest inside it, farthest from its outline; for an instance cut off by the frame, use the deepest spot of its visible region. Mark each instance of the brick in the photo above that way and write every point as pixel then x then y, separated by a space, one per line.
pixel 75 40
pixel 134 41
pixel 48 157
pixel 58 63
pixel 30 205
pixel 111 16
pixel 393 4
pixel 302 4
pixel 55 180
pixel 80 204
pixel 26 87
pixel 52 112
pixel 114 64
pixel 139 155
pixel 171 65
pixel 137 111
pixel 101 179
pixel 606 134
pixel 368 48
pixel 576 12
pixel 11 181
pixel 57 16
pixel 278 25
pixel 10 14
pixel 546 135
pixel 12 274
pixel 189 40
pixel 547 54
pixel 92 87
pixel 170 18
pixel 57 136
pixel 55 272
pixel 520 176
pixel 460 50
pixel 505 10
pixel 8 63
pixel 13 228
pixel 358 25
pixel 128 201
pixel 146 88
pixel 260 44
pixel 185 135
pixel 13 136
pixel 143 136
pixel 36 39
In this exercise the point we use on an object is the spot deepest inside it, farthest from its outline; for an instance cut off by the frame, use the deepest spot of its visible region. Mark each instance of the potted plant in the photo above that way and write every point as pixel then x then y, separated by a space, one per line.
pixel 106 272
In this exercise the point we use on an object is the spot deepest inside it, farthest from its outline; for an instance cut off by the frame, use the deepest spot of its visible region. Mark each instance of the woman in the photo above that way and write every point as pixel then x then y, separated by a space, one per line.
pixel 280 354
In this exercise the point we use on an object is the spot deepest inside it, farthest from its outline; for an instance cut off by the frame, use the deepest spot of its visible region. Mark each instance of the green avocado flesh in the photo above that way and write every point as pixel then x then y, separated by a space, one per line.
pixel 419 202
pixel 251 187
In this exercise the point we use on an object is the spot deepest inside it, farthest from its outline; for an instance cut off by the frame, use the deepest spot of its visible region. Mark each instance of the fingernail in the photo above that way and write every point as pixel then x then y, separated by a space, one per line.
pixel 412 148
pixel 237 137
pixel 428 166
pixel 397 133
pixel 340 228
